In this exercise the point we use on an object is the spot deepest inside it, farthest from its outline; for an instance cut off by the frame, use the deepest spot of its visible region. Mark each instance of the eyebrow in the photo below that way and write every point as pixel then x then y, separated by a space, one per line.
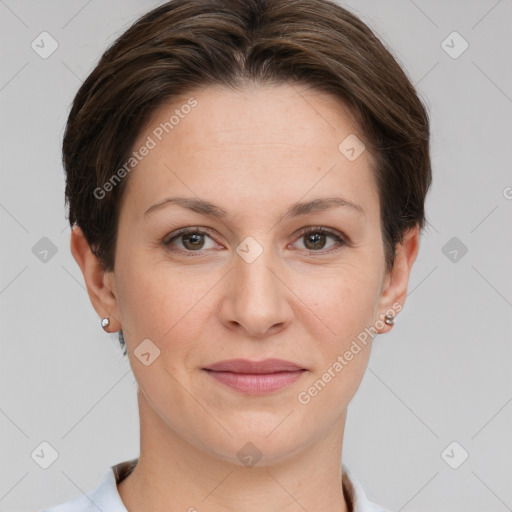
pixel 296 210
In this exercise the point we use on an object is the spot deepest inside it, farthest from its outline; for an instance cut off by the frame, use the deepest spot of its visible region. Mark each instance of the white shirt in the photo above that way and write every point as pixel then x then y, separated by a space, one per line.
pixel 106 498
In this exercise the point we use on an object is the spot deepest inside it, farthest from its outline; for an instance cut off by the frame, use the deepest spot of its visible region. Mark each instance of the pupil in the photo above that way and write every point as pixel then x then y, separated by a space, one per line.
pixel 195 239
pixel 315 238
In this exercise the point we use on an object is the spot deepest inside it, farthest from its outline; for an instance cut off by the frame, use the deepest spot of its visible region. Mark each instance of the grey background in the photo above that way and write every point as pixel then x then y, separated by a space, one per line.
pixel 441 375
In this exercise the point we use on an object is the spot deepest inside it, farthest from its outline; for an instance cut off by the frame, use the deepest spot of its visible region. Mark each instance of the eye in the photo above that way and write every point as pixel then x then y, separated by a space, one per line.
pixel 316 238
pixel 189 240
pixel 195 240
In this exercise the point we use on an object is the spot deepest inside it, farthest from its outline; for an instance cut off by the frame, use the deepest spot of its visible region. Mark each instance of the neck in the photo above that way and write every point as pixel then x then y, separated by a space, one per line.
pixel 174 475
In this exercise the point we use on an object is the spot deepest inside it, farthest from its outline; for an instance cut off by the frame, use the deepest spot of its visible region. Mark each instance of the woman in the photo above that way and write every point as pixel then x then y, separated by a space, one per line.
pixel 246 183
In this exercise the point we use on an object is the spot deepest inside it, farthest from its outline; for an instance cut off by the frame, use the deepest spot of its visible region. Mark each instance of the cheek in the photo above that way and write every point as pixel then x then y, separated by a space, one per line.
pixel 340 303
pixel 339 321
pixel 164 304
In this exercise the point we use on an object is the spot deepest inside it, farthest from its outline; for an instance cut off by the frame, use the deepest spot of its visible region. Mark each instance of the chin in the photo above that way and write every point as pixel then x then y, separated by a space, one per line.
pixel 252 446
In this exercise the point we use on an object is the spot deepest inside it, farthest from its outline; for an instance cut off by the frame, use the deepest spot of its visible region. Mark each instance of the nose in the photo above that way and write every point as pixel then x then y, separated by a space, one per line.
pixel 258 300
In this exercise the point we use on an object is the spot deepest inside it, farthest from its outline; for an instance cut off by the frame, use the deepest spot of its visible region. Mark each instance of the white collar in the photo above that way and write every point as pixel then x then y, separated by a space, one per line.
pixel 106 496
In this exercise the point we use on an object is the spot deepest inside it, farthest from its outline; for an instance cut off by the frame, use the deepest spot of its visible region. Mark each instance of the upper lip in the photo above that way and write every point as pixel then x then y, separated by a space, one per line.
pixel 248 366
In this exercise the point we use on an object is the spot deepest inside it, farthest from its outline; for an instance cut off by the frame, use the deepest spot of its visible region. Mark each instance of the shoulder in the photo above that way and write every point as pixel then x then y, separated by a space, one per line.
pixel 78 504
pixel 105 497
pixel 355 495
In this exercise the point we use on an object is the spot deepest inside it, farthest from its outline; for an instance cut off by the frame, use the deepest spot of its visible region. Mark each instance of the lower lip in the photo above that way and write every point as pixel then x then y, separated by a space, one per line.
pixel 256 384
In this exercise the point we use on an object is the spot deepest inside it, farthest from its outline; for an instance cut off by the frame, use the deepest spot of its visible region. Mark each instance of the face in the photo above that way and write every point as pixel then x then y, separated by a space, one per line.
pixel 282 258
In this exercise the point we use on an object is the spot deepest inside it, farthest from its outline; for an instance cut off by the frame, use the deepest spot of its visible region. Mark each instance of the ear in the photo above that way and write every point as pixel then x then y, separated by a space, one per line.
pixel 100 284
pixel 394 290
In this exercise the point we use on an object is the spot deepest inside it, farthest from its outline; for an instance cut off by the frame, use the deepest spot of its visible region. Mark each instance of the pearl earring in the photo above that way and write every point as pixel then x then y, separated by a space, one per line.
pixel 389 319
pixel 105 322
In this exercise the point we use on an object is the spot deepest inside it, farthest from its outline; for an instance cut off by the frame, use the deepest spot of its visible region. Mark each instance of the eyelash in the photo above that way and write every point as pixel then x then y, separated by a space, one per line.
pixel 338 238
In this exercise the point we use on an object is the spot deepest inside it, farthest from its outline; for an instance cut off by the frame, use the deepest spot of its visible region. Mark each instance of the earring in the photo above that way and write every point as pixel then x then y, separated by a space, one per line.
pixel 105 322
pixel 389 319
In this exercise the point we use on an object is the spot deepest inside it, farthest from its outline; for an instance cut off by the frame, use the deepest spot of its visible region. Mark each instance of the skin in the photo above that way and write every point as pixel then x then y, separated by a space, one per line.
pixel 253 152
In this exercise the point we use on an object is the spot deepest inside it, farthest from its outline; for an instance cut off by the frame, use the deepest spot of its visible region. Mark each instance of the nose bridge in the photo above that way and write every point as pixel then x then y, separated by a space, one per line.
pixel 258 297
pixel 254 280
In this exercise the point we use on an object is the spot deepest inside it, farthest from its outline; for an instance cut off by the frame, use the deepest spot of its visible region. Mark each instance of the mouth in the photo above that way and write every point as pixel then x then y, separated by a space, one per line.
pixel 255 377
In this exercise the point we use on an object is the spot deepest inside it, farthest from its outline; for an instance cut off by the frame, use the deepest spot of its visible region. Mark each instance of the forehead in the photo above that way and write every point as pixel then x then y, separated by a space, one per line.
pixel 263 143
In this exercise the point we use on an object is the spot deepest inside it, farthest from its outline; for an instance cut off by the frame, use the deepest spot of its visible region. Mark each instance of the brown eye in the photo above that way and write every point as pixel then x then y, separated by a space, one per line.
pixel 193 241
pixel 189 240
pixel 316 239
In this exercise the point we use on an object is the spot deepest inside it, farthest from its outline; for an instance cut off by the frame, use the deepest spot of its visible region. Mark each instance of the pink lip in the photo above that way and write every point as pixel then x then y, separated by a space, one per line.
pixel 248 366
pixel 255 377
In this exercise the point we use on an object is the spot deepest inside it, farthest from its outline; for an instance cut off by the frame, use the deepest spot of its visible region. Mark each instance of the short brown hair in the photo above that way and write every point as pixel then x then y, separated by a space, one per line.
pixel 185 44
